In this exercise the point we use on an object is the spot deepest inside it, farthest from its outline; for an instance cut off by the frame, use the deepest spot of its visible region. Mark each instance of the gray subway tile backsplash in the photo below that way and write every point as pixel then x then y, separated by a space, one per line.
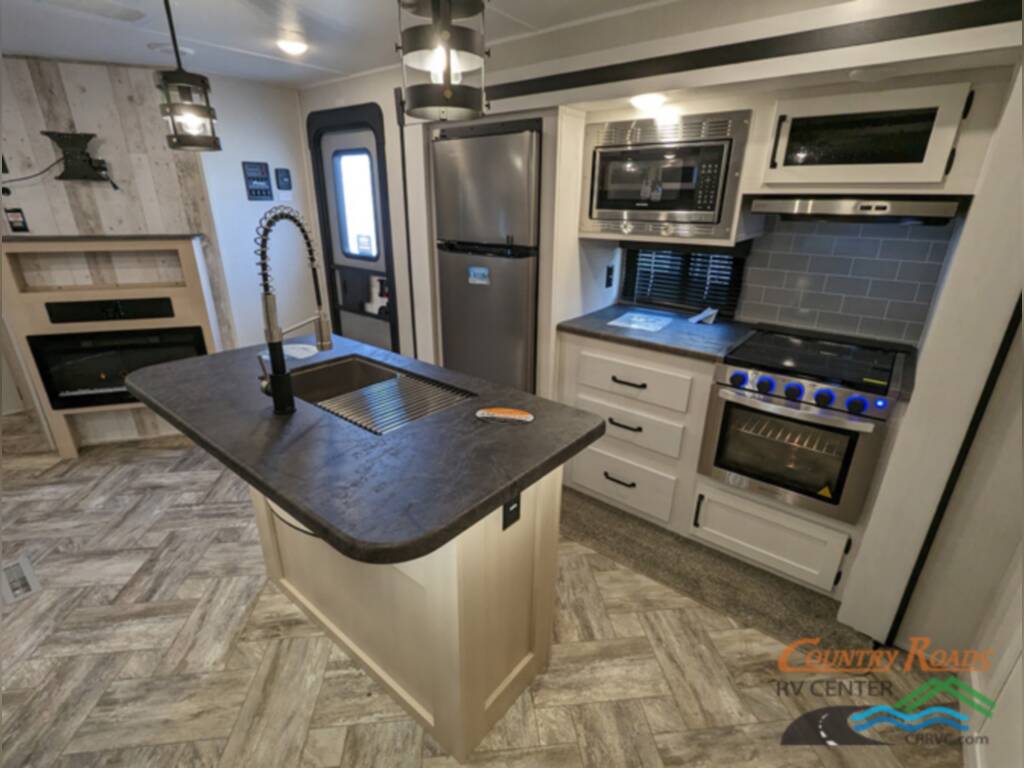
pixel 873 280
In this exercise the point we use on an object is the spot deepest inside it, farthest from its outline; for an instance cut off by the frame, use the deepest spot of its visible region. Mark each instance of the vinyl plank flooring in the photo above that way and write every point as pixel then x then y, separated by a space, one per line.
pixel 349 696
pixel 111 628
pixel 224 559
pixel 579 611
pixel 163 572
pixel 275 616
pixel 750 655
pixel 517 729
pixel 31 621
pixel 125 531
pixel 698 678
pixel 627 592
pixel 601 670
pixel 663 715
pixel 272 724
pixel 323 748
pixel 742 746
pixel 555 726
pixel 615 733
pixel 163 711
pixel 163 756
pixel 206 639
pixel 560 756
pixel 41 727
pixel 383 745
pixel 90 567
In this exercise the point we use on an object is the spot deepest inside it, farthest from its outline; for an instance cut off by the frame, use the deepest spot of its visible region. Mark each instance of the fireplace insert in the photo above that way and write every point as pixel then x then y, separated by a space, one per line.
pixel 86 369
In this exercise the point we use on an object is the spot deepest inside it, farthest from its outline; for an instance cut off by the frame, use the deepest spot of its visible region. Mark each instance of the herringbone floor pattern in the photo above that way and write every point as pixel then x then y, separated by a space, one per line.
pixel 156 638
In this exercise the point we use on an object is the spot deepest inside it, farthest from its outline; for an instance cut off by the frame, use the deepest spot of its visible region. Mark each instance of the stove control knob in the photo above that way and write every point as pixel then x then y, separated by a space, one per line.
pixel 856 404
pixel 765 384
pixel 824 398
pixel 794 391
pixel 738 379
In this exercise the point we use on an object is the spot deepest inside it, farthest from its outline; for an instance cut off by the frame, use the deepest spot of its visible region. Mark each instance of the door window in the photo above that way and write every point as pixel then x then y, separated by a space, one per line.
pixel 357 208
pixel 806 458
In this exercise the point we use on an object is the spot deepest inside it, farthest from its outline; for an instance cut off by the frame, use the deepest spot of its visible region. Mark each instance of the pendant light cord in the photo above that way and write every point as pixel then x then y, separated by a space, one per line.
pixel 37 173
pixel 174 36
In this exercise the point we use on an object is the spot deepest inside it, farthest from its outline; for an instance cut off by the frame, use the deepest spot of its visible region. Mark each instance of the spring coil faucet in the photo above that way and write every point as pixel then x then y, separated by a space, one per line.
pixel 278 383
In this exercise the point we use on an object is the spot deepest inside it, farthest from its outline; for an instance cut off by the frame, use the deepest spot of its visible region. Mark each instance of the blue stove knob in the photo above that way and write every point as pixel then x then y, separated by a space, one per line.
pixel 765 384
pixel 794 391
pixel 738 379
pixel 824 397
pixel 856 404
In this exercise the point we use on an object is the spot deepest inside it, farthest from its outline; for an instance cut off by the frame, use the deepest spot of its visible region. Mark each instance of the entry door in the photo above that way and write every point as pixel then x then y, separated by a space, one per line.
pixel 351 205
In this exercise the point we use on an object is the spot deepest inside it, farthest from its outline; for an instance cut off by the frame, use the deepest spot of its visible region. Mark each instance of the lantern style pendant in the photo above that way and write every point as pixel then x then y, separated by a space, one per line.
pixel 186 104
pixel 442 62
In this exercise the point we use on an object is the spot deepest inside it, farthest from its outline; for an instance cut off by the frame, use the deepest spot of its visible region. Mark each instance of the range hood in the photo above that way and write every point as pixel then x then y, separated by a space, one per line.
pixel 920 210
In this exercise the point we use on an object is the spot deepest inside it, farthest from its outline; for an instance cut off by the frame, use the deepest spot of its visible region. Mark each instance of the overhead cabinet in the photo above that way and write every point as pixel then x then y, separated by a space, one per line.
pixel 896 136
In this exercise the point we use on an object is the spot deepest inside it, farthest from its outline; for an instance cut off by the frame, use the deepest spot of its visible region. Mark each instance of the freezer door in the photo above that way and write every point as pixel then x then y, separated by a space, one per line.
pixel 486 188
pixel 489 316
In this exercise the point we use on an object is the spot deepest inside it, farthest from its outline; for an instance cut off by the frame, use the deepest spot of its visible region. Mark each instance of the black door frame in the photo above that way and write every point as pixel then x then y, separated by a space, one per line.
pixel 359 117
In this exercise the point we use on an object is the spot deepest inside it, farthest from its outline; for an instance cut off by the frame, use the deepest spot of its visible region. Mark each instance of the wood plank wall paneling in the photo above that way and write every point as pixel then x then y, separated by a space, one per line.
pixel 161 191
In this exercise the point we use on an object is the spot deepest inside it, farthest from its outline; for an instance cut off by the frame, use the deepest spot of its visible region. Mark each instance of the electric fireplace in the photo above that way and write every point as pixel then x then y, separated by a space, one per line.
pixel 87 369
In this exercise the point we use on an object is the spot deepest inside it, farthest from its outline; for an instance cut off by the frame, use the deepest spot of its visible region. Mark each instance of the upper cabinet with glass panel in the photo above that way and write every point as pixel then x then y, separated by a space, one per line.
pixel 898 136
pixel 357 208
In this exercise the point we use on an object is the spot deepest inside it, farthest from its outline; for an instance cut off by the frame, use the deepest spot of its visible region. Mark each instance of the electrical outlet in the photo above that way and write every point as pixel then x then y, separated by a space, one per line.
pixel 609 276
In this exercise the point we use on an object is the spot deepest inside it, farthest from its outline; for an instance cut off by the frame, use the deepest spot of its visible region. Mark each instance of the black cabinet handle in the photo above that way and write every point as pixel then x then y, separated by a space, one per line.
pixel 615 423
pixel 696 514
pixel 775 144
pixel 620 482
pixel 617 380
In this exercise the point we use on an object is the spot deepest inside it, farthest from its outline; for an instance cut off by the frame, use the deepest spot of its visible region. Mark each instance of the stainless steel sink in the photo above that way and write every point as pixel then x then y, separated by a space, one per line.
pixel 323 381
pixel 370 395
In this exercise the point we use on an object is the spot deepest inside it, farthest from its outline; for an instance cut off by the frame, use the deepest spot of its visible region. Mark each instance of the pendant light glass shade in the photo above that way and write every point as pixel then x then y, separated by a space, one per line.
pixel 186 104
pixel 442 62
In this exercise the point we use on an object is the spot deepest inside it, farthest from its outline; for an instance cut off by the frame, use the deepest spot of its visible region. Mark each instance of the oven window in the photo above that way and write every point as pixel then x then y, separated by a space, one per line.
pixel 866 138
pixel 656 178
pixel 806 458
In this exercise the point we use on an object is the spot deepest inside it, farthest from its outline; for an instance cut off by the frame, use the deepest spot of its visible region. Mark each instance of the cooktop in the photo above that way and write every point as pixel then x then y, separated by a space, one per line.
pixel 846 364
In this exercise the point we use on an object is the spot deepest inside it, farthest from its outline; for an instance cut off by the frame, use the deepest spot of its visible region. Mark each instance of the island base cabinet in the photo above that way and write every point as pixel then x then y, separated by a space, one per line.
pixel 456 635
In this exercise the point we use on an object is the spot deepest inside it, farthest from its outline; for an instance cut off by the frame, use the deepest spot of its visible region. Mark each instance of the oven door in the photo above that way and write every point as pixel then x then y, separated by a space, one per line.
pixel 796 453
pixel 680 182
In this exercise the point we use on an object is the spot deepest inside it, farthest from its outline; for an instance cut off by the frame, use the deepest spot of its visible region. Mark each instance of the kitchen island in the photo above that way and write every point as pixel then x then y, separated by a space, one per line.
pixel 427 550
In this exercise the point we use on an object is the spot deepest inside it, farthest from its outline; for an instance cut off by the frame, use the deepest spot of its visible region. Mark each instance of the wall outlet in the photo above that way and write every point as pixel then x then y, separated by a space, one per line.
pixel 609 276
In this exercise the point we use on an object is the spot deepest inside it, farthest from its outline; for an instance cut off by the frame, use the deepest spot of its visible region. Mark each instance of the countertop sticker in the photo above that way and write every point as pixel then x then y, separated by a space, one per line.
pixel 641 321
pixel 508 415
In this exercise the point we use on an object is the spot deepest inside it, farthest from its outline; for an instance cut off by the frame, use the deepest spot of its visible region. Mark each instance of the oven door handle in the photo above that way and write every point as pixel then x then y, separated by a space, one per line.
pixel 797 412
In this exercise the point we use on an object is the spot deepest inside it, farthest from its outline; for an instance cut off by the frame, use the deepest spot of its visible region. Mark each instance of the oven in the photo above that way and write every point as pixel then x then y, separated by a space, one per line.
pixel 651 178
pixel 817 459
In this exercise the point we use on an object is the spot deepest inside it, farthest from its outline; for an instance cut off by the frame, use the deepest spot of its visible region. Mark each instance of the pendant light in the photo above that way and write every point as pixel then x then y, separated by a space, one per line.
pixel 186 103
pixel 442 62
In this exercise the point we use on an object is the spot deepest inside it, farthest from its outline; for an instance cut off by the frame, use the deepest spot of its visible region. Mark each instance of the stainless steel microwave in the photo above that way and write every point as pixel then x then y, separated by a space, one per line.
pixel 680 179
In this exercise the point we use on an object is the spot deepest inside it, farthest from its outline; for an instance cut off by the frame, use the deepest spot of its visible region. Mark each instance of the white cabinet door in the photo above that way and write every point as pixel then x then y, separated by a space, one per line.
pixel 789 544
pixel 894 136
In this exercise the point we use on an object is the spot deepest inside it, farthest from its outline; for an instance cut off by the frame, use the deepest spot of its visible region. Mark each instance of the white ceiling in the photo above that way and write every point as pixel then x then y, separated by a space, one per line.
pixel 237 37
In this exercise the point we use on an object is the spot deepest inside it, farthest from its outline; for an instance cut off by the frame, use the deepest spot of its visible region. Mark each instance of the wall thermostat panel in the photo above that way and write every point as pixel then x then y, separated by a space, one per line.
pixel 257 180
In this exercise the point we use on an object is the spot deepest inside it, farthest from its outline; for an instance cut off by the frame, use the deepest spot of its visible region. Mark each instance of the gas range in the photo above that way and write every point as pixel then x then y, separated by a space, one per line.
pixel 843 376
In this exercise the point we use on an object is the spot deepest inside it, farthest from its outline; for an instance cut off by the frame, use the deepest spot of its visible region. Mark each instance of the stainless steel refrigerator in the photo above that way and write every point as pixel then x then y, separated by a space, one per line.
pixel 487 195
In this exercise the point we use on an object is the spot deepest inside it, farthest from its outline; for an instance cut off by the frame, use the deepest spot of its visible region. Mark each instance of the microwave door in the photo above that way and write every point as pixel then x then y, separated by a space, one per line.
pixel 487 189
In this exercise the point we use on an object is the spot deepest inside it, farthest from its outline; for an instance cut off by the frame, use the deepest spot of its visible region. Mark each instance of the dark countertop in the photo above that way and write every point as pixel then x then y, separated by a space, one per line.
pixel 380 499
pixel 679 337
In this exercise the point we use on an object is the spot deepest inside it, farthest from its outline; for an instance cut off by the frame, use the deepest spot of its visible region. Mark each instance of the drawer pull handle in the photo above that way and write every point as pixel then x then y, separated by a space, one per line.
pixel 620 425
pixel 617 380
pixel 623 483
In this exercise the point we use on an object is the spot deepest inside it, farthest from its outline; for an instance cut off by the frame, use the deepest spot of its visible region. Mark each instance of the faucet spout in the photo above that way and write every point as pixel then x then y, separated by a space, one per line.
pixel 278 383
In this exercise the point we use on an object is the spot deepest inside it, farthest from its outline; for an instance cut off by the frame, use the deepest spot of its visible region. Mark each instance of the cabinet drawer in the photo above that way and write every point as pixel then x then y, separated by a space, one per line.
pixel 796 547
pixel 636 380
pixel 638 428
pixel 634 485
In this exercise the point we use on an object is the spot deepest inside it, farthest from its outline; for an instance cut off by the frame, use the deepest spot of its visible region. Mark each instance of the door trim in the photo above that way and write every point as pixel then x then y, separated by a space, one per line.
pixel 359 117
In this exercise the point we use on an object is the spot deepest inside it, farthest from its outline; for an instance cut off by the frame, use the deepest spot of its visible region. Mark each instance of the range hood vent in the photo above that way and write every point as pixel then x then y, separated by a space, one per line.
pixel 872 209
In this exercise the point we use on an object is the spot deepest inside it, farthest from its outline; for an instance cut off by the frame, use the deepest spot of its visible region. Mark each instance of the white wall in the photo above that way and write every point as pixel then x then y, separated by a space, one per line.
pixel 982 283
pixel 261 123
pixel 982 526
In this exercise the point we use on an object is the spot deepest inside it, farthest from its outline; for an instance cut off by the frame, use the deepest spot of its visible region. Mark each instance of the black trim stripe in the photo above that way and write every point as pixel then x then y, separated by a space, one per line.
pixel 954 476
pixel 927 22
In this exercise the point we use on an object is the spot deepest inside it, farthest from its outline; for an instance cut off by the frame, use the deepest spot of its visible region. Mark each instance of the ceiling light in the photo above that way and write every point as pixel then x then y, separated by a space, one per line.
pixel 186 103
pixel 667 115
pixel 442 62
pixel 293 47
pixel 648 102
